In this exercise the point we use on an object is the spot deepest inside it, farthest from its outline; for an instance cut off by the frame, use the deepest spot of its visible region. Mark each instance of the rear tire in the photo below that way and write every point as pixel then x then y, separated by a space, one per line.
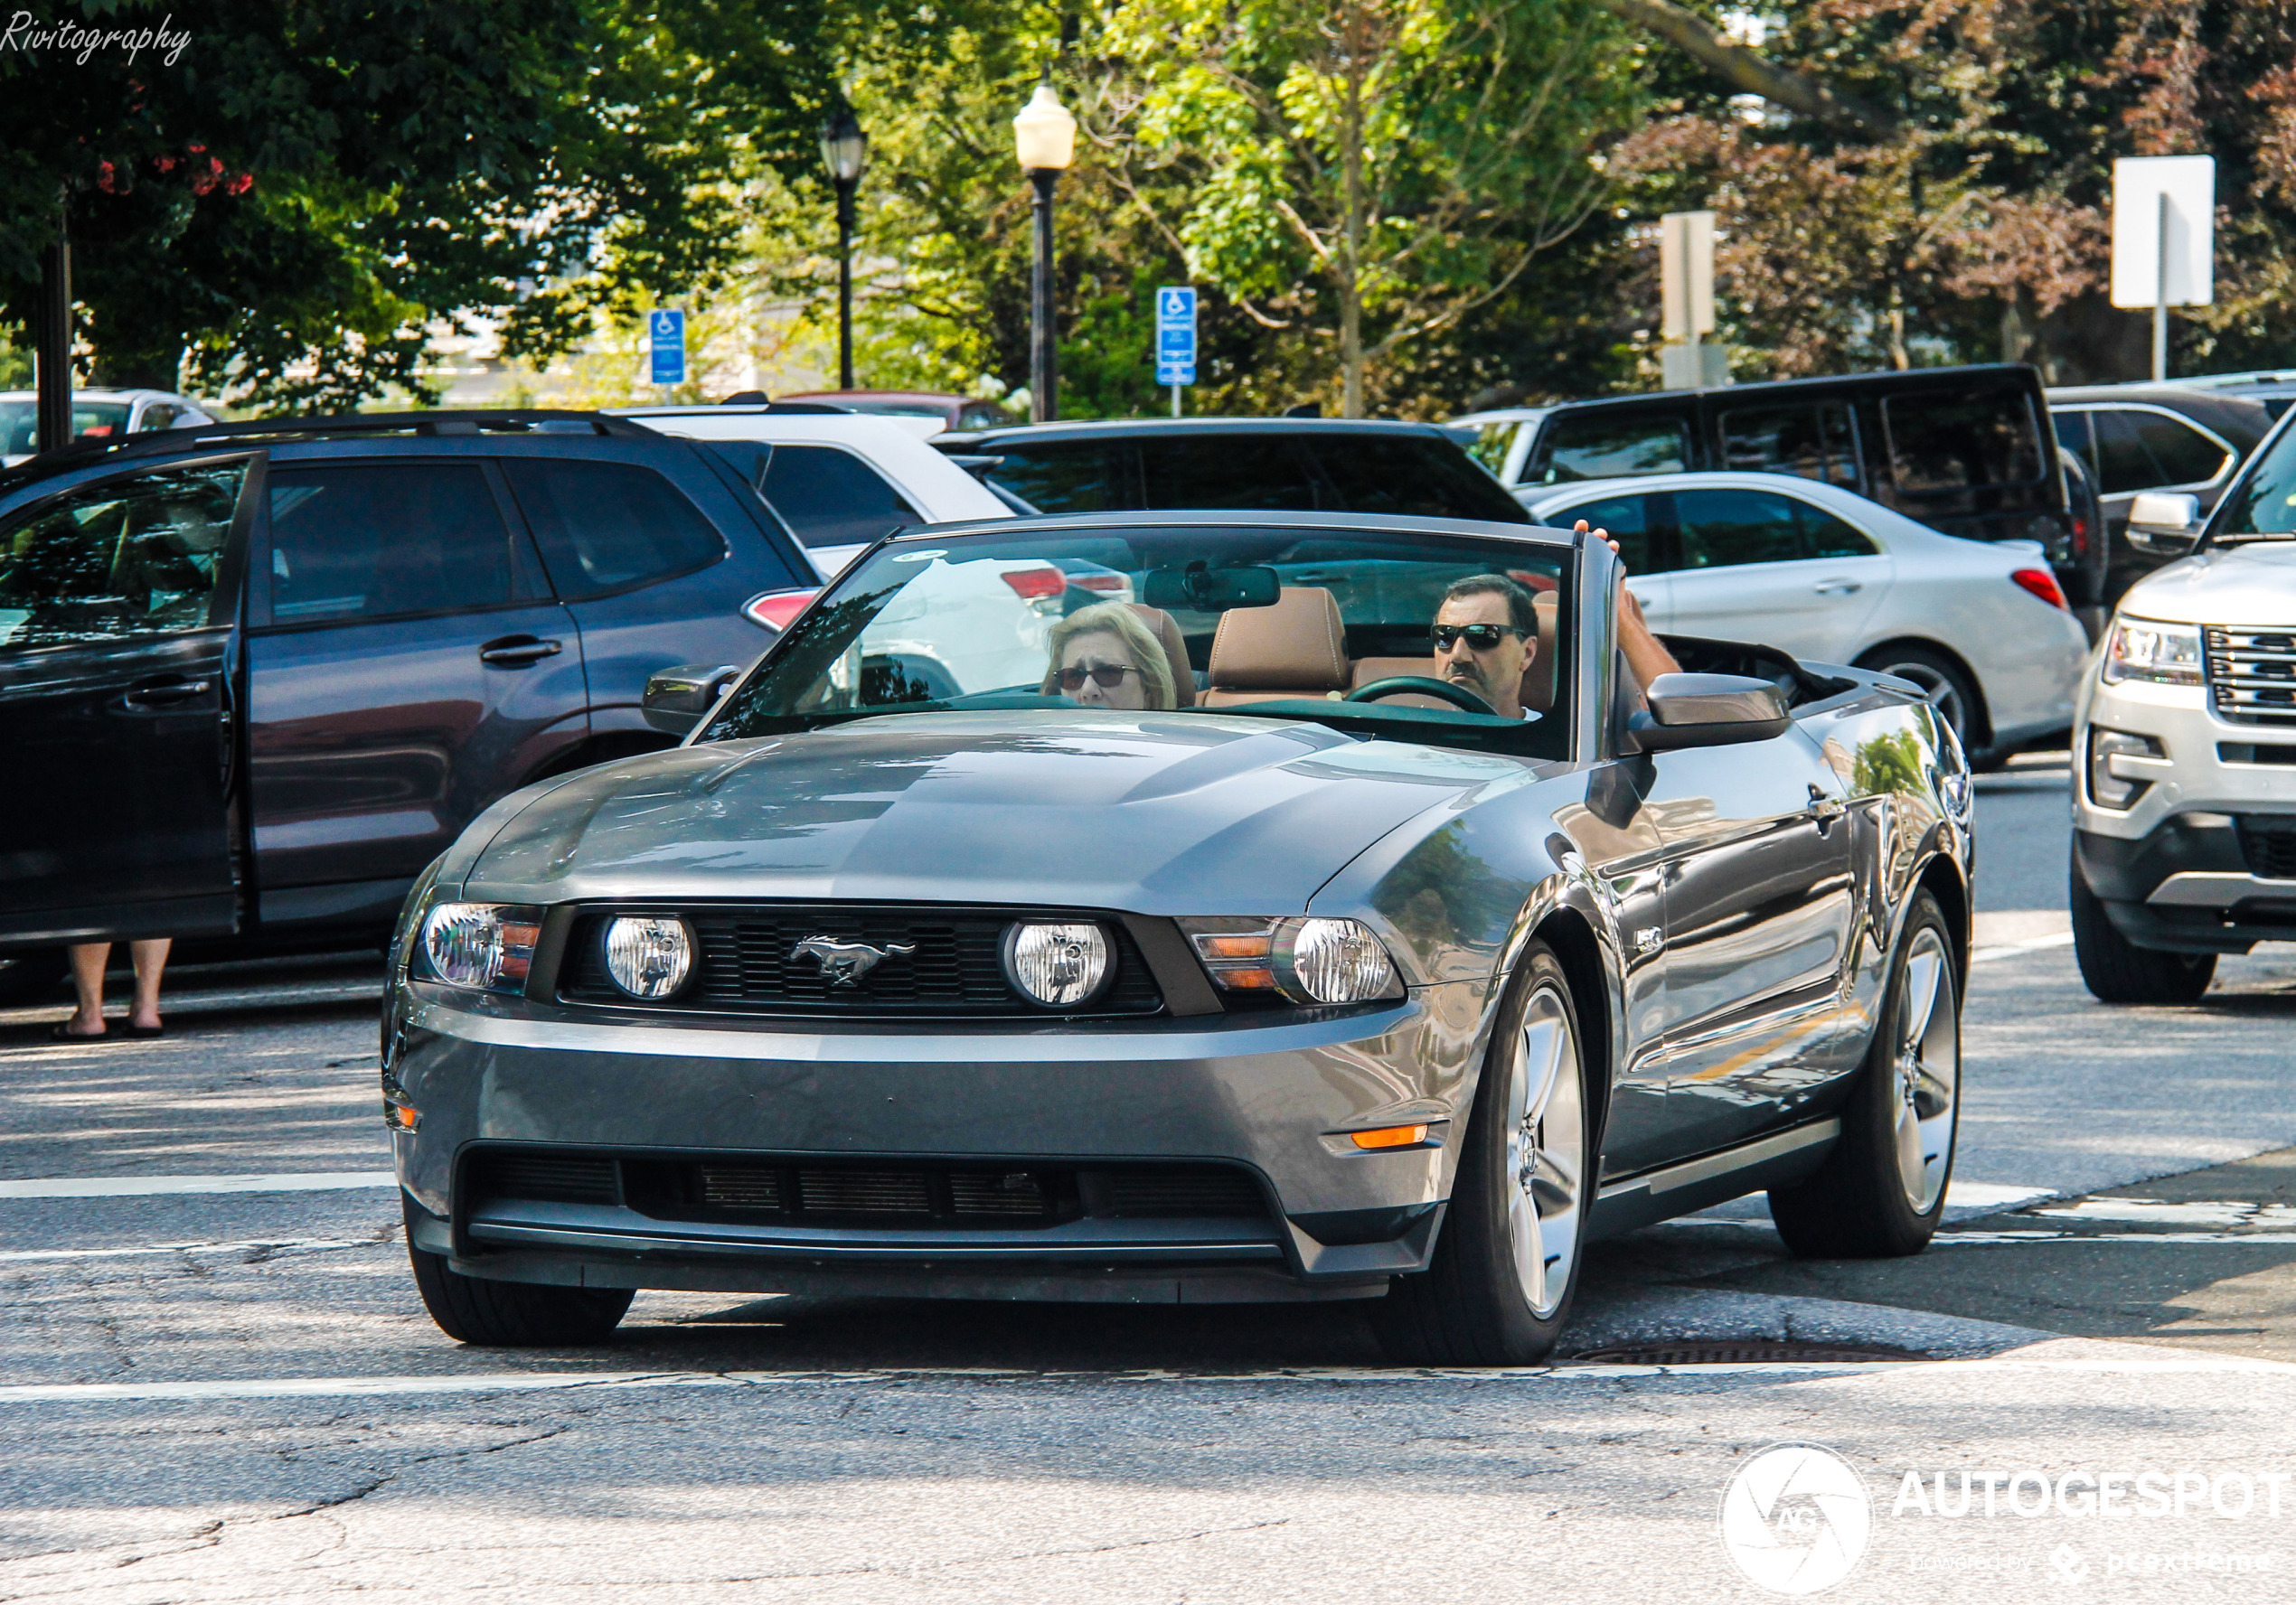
pixel 1506 1265
pixel 1881 1192
pixel 2116 969
pixel 513 1314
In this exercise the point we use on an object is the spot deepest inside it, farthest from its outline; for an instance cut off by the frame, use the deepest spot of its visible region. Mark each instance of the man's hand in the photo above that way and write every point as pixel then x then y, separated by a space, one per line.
pixel 1645 654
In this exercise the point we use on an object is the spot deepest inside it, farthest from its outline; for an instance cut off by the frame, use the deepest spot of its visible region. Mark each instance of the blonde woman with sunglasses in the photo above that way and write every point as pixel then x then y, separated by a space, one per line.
pixel 1103 656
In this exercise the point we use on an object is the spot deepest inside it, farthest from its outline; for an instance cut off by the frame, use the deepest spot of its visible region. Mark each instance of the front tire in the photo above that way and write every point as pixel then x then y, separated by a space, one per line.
pixel 2116 969
pixel 512 1314
pixel 1506 1265
pixel 1881 1192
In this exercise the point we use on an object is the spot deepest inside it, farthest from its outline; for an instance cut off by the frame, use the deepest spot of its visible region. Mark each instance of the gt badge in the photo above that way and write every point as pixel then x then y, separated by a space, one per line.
pixel 845 962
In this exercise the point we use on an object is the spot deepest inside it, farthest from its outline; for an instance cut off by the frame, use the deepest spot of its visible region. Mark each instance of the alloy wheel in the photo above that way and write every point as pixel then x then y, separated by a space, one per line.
pixel 1927 1070
pixel 1936 690
pixel 1546 1153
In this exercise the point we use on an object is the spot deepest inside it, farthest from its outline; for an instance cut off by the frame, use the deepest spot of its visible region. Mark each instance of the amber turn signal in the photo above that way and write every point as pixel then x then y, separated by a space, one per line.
pixel 1390 1136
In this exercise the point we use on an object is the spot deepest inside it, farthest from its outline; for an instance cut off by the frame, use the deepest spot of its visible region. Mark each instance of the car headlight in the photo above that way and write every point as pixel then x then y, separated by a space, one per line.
pixel 480 947
pixel 1308 961
pixel 1059 964
pixel 649 956
pixel 2117 764
pixel 2147 648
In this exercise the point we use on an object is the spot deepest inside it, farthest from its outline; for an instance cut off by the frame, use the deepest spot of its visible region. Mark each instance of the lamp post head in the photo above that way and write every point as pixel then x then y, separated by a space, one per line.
pixel 1044 134
pixel 845 148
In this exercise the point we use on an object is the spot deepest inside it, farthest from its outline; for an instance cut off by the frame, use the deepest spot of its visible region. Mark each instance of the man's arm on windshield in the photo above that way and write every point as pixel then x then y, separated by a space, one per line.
pixel 1645 654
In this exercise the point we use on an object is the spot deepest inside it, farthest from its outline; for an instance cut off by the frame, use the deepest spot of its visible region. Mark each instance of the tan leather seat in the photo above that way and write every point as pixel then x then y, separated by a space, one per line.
pixel 1166 630
pixel 1297 648
pixel 1539 675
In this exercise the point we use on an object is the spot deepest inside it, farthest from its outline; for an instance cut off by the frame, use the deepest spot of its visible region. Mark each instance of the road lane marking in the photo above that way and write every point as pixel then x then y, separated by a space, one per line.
pixel 282 1244
pixel 1989 1237
pixel 139 1186
pixel 341 1387
pixel 1986 955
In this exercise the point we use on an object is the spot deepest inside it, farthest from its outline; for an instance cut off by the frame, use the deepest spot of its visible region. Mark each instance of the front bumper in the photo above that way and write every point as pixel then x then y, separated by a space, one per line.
pixel 1074 1113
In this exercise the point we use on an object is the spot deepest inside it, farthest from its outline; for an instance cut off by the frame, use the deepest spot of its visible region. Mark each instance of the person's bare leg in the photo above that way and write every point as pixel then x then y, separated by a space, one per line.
pixel 87 979
pixel 151 958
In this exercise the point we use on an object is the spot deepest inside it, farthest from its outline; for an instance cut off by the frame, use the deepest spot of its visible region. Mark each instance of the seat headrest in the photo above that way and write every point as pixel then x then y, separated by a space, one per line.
pixel 1166 630
pixel 1297 646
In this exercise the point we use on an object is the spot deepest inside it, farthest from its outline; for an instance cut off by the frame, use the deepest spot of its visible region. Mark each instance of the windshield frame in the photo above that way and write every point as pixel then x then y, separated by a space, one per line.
pixel 2213 532
pixel 1363 719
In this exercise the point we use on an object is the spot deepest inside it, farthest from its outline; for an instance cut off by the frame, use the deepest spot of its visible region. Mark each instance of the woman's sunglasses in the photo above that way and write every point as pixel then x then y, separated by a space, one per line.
pixel 1106 676
pixel 1480 638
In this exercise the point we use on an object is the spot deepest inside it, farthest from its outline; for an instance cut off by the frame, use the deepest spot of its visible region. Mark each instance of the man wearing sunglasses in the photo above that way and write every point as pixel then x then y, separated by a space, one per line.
pixel 1486 634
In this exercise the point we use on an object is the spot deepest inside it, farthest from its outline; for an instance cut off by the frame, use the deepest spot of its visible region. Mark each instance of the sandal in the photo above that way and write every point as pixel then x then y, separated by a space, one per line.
pixel 145 1033
pixel 62 1032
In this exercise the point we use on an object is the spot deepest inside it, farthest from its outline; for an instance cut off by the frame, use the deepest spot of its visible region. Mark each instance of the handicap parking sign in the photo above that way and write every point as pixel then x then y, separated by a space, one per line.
pixel 1176 336
pixel 665 338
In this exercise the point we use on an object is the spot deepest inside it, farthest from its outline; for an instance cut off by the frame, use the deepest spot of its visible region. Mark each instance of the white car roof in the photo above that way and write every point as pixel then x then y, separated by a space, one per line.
pixel 91 393
pixel 939 489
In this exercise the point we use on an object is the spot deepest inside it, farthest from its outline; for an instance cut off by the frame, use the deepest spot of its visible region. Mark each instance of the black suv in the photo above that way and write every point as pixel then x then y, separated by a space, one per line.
pixel 1271 465
pixel 254 676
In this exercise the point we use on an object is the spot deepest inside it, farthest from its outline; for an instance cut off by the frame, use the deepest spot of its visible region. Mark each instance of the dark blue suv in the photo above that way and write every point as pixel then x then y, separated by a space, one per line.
pixel 254 676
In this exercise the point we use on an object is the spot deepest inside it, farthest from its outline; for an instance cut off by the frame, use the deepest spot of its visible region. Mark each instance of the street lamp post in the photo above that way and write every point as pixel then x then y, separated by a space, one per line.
pixel 1045 137
pixel 844 150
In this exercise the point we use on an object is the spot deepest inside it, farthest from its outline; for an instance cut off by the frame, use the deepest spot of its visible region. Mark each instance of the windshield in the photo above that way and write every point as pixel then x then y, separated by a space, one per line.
pixel 1281 623
pixel 19 423
pixel 2264 503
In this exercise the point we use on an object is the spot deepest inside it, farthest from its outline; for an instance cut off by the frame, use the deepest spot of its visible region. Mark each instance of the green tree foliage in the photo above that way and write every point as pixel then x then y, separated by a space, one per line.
pixel 304 192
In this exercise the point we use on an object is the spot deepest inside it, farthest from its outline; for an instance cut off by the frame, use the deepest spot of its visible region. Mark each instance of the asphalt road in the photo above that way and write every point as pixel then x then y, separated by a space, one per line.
pixel 235 1394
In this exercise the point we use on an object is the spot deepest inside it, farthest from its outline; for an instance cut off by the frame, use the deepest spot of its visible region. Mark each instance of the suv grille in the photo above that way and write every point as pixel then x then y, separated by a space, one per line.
pixel 2252 674
pixel 991 1193
pixel 747 963
pixel 2268 841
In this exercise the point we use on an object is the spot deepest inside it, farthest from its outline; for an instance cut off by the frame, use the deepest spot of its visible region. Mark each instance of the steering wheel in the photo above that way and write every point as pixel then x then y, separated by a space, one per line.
pixel 1459 697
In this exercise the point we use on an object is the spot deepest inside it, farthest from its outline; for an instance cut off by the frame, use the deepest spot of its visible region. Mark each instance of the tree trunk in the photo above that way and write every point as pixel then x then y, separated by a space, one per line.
pixel 1351 279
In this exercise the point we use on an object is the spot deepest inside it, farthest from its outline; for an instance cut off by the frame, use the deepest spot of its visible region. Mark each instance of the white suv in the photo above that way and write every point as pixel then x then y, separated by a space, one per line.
pixel 2184 813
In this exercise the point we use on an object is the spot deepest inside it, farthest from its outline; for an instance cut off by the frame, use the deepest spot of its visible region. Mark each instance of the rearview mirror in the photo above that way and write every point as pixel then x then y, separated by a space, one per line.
pixel 2165 523
pixel 676 698
pixel 1202 589
pixel 1708 711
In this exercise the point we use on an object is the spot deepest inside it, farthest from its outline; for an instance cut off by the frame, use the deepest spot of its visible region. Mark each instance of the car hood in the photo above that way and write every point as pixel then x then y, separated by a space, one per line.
pixel 1154 814
pixel 2253 583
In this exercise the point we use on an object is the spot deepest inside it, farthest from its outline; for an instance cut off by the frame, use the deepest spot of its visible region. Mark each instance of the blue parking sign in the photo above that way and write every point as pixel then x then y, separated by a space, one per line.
pixel 665 338
pixel 1176 336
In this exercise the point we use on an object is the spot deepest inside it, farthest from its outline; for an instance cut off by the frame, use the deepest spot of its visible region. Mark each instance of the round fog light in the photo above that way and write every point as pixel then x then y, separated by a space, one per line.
pixel 1338 961
pixel 648 957
pixel 1057 965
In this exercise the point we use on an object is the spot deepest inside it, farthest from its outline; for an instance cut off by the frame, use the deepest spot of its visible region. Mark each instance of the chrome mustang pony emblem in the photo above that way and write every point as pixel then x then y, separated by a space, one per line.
pixel 845 962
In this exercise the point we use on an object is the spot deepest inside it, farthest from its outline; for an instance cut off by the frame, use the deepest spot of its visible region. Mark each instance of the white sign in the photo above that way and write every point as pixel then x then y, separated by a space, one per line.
pixel 1176 336
pixel 2146 191
pixel 1685 274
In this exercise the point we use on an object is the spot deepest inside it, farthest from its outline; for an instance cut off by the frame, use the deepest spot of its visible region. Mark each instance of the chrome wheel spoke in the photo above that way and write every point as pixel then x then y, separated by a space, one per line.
pixel 1543 1044
pixel 1545 1152
pixel 1924 1084
pixel 1530 1247
pixel 1923 972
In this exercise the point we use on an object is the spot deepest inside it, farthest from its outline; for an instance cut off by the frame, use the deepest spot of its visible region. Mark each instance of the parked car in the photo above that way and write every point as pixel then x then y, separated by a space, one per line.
pixel 253 677
pixel 1822 573
pixel 96 415
pixel 1299 464
pixel 1301 989
pixel 2154 438
pixel 952 411
pixel 1963 450
pixel 2272 388
pixel 837 481
pixel 2184 842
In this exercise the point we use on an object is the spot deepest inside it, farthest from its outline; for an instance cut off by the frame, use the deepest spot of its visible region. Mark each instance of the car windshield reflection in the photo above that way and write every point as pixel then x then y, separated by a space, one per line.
pixel 1431 637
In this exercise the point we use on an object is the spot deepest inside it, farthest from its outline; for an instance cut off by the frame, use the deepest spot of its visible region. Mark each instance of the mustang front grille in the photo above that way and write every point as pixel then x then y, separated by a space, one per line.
pixel 2252 674
pixel 936 961
pixel 987 1194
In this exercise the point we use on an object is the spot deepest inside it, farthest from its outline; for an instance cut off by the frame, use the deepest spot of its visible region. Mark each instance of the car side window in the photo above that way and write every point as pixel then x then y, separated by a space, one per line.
pixel 830 497
pixel 1815 442
pixel 607 526
pixel 124 559
pixel 1075 476
pixel 1244 471
pixel 1410 476
pixel 1607 449
pixel 2072 435
pixel 1721 529
pixel 358 541
pixel 1949 443
pixel 2141 451
pixel 1629 520
pixel 159 415
pixel 1825 536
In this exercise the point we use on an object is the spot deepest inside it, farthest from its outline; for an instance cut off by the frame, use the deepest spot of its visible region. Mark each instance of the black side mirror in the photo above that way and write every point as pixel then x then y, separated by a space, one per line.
pixel 677 698
pixel 1708 711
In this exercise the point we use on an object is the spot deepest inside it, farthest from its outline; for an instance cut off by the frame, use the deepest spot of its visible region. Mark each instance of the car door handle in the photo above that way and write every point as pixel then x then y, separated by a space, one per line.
pixel 1838 588
pixel 513 651
pixel 1824 808
pixel 165 692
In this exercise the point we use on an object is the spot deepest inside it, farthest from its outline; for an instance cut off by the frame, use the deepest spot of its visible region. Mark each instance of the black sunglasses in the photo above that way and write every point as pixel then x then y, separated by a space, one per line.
pixel 1480 638
pixel 1106 676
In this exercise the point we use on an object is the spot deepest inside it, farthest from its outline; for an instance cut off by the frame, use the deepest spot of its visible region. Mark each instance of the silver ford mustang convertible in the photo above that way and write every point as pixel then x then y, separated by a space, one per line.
pixel 1176 908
